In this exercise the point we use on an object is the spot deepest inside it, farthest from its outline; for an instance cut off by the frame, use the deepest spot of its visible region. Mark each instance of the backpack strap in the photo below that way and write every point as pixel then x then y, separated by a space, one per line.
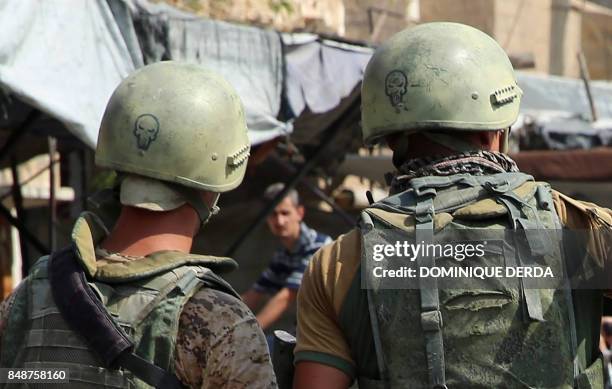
pixel 367 225
pixel 431 316
pixel 545 201
pixel 535 238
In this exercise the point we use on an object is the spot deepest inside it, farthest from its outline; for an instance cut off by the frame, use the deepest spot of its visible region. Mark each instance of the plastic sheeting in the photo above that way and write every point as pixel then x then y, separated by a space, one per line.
pixel 250 58
pixel 551 93
pixel 558 112
pixel 320 73
pixel 64 58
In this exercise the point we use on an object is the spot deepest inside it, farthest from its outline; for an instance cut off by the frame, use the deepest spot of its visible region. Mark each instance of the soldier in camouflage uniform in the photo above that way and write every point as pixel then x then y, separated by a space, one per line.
pixel 443 96
pixel 176 135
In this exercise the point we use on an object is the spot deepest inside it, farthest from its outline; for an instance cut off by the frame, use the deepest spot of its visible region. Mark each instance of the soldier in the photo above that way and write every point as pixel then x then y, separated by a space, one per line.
pixel 443 96
pixel 132 307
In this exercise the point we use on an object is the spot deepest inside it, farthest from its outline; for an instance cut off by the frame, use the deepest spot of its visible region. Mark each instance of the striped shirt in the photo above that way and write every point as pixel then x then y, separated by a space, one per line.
pixel 287 267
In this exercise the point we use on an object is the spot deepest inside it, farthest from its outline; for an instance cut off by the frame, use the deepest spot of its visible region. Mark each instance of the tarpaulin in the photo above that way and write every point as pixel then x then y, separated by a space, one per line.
pixel 320 73
pixel 249 58
pixel 64 58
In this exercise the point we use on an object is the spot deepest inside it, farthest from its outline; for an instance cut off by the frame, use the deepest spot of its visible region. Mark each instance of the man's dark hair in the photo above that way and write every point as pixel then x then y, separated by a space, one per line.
pixel 274 189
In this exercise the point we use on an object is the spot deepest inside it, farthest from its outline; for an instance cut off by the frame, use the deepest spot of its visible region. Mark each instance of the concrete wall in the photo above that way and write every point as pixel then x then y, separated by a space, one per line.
pixel 549 29
pixel 524 27
pixel 477 13
pixel 597 43
pixel 376 20
pixel 565 38
pixel 323 16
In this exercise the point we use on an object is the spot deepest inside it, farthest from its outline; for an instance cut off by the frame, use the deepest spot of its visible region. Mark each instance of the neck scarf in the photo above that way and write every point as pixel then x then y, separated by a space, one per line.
pixel 473 162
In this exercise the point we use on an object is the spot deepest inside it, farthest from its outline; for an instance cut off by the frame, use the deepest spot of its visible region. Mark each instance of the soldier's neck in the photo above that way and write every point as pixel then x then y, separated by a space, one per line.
pixel 140 232
pixel 419 146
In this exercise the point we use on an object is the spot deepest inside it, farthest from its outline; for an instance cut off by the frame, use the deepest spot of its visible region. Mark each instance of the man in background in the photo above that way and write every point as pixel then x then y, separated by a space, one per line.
pixel 283 277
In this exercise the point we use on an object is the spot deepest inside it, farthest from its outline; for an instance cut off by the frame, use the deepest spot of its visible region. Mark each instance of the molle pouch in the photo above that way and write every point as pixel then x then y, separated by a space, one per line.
pixel 492 330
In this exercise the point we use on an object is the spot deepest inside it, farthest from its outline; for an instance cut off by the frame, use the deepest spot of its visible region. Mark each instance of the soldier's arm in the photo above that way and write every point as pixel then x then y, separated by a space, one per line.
pixel 316 375
pixel 220 345
pixel 322 352
pixel 591 218
pixel 251 298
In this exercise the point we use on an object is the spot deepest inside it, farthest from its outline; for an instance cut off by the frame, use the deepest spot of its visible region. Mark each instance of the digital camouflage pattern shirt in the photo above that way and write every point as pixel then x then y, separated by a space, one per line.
pixel 219 342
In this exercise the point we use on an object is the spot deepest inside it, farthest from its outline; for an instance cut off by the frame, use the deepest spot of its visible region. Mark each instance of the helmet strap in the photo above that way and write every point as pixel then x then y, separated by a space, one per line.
pixel 400 151
pixel 194 198
pixel 505 140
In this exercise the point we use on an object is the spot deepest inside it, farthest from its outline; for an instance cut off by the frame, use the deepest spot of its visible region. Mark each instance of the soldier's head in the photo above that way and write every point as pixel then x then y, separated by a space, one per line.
pixel 176 134
pixel 284 221
pixel 439 87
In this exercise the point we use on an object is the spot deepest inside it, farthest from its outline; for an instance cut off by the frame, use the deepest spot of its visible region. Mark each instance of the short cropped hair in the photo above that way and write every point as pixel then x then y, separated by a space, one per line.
pixel 276 188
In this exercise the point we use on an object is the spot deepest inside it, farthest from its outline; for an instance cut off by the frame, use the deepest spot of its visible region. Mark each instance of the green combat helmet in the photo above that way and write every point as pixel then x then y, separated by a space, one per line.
pixel 444 76
pixel 174 129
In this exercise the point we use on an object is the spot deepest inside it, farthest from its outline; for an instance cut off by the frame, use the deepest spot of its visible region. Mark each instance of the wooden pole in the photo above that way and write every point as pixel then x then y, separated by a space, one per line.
pixel 584 73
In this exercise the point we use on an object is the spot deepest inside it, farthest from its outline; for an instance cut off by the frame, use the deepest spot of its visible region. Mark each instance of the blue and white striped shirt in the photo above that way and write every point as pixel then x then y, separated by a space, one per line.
pixel 287 267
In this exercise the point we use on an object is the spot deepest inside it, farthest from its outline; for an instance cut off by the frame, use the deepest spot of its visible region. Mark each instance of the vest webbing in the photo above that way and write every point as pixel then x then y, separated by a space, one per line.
pixel 430 195
pixel 119 335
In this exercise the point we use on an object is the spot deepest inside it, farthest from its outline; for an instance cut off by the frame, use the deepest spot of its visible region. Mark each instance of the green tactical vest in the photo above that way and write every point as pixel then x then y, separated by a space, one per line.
pixel 488 336
pixel 145 297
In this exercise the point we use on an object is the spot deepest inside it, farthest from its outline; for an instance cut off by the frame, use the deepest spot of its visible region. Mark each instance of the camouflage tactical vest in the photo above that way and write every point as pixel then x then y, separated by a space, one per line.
pixel 486 336
pixel 145 297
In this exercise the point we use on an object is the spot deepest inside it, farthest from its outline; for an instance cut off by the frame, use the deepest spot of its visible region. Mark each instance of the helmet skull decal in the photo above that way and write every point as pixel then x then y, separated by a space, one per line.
pixel 396 85
pixel 146 129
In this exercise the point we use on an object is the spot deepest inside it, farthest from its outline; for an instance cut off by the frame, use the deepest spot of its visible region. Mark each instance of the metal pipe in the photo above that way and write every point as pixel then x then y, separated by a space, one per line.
pixel 52 200
pixel 30 178
pixel 38 245
pixel 17 133
pixel 584 73
pixel 18 204
pixel 84 178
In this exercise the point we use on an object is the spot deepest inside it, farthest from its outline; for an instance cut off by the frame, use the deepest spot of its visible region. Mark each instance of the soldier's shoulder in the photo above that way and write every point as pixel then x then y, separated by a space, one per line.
pixel 219 341
pixel 346 249
pixel 580 214
pixel 225 308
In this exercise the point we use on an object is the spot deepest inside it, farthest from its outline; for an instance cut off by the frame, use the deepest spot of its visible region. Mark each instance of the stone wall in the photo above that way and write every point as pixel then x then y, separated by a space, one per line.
pixel 323 16
pixel 549 31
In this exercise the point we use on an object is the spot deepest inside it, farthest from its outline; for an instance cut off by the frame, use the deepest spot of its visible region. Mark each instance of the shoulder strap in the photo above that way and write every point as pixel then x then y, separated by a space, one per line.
pixel 86 314
pixel 431 316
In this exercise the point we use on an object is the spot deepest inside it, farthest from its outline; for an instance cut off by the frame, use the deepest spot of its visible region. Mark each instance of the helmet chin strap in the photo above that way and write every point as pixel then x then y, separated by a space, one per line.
pixel 194 198
pixel 505 141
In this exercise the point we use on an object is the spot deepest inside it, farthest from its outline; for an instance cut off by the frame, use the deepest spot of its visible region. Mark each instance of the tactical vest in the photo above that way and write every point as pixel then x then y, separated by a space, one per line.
pixel 144 297
pixel 485 336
